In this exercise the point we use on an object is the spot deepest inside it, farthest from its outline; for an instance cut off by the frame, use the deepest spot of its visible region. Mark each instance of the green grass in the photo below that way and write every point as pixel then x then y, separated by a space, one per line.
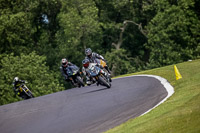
pixel 180 113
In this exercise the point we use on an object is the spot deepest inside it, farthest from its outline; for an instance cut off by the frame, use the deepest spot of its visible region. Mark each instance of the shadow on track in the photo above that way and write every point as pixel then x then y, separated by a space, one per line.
pixel 97 90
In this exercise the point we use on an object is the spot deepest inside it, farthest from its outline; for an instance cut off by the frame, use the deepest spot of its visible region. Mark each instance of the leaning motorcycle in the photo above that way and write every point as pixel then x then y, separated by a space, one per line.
pixel 103 64
pixel 25 92
pixel 99 76
pixel 75 76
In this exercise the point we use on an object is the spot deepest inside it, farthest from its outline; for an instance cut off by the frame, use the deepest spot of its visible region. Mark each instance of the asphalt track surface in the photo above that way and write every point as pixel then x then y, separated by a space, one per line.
pixel 91 109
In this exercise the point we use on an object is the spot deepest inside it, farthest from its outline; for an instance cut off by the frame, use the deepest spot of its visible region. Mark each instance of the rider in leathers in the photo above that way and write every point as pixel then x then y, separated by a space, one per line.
pixel 63 68
pixel 85 69
pixel 91 56
pixel 16 84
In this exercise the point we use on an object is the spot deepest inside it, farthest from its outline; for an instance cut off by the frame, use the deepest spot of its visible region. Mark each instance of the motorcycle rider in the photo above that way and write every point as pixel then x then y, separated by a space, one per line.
pixel 86 65
pixel 85 69
pixel 63 69
pixel 16 83
pixel 91 56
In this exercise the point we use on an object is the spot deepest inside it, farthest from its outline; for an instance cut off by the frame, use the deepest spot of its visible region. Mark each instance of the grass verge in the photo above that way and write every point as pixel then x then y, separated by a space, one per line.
pixel 180 113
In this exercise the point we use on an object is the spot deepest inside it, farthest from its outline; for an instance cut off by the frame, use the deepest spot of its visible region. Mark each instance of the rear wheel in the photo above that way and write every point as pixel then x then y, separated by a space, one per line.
pixel 24 96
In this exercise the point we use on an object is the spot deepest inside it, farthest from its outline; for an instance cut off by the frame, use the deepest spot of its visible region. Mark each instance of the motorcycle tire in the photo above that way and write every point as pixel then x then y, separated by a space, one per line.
pixel 80 81
pixel 32 96
pixel 103 82
pixel 29 94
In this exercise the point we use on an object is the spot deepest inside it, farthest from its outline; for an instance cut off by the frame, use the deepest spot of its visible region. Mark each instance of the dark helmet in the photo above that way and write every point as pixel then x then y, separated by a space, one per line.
pixel 88 51
pixel 16 79
pixel 85 63
pixel 64 62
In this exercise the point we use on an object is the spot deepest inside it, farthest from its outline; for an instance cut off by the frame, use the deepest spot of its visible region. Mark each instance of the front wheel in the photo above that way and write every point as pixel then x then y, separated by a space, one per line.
pixel 103 82
pixel 31 94
pixel 80 81
pixel 28 93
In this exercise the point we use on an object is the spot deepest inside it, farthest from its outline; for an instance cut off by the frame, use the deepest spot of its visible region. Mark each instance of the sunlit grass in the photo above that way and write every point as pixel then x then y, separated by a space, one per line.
pixel 180 113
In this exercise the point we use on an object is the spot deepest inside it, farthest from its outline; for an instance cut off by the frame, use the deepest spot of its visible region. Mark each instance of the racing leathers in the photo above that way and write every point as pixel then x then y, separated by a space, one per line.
pixel 16 85
pixel 63 71
pixel 92 58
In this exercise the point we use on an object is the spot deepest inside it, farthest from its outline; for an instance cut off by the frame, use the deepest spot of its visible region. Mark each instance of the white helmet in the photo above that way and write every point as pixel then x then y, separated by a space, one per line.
pixel 64 62
pixel 16 79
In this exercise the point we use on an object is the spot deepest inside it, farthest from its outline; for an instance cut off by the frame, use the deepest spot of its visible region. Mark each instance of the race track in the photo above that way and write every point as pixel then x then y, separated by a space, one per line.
pixel 92 109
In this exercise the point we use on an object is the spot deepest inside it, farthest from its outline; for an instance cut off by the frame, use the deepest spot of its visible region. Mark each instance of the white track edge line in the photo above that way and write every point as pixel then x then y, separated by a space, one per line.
pixel 164 82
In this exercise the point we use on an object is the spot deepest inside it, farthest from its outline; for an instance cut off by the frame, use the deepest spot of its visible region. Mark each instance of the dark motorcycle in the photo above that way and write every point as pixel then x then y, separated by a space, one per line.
pixel 99 76
pixel 75 76
pixel 25 93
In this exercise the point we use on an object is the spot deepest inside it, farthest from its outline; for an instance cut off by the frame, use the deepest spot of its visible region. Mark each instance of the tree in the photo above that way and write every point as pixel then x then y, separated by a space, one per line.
pixel 15 27
pixel 119 62
pixel 29 25
pixel 122 26
pixel 173 34
pixel 31 68
pixel 79 29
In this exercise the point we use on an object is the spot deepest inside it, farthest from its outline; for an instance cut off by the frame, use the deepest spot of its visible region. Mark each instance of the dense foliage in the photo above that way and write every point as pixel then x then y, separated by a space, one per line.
pixel 31 68
pixel 132 35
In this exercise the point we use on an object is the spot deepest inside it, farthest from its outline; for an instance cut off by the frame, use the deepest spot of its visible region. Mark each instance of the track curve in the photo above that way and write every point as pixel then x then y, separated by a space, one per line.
pixel 91 109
